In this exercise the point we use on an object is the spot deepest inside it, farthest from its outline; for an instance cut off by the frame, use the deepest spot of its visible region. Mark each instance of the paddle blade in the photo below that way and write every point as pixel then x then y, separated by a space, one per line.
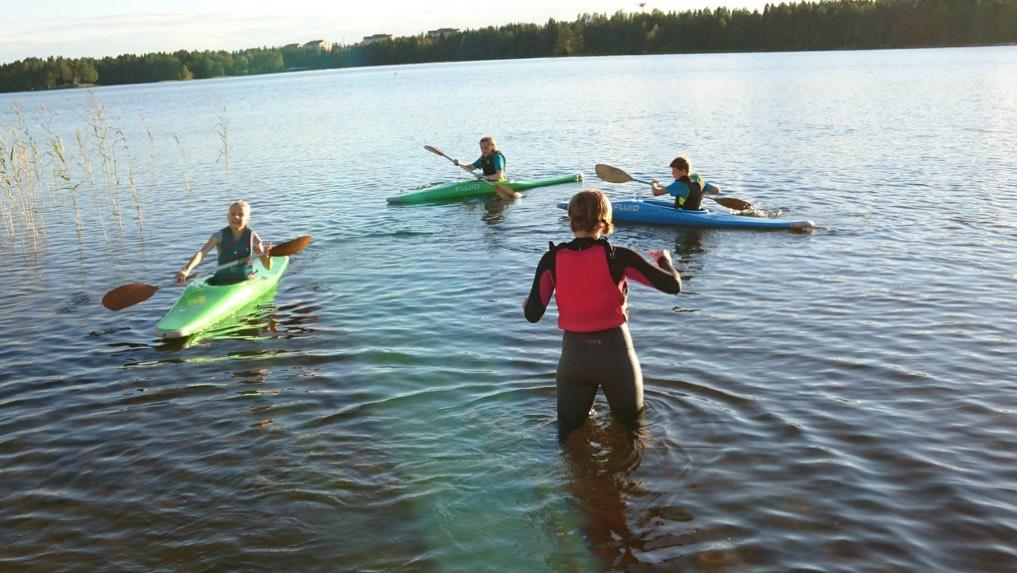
pixel 505 192
pixel 291 247
pixel 611 174
pixel 128 295
pixel 435 150
pixel 732 203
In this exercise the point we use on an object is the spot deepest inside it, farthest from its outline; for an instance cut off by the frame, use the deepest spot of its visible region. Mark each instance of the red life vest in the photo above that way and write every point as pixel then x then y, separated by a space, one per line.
pixel 588 299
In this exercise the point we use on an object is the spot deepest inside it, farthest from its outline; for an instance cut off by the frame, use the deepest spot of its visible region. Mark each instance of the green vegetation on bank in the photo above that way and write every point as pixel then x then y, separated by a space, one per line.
pixel 825 25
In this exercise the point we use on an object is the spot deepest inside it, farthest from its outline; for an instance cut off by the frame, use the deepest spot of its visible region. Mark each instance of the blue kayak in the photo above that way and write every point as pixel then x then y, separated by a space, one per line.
pixel 662 212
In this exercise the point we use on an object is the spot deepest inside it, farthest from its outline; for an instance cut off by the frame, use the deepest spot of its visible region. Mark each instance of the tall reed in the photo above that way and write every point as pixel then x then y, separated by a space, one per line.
pixel 132 185
pixel 22 179
pixel 183 154
pixel 86 167
pixel 62 173
pixel 8 201
pixel 39 179
pixel 152 161
pixel 223 128
pixel 103 144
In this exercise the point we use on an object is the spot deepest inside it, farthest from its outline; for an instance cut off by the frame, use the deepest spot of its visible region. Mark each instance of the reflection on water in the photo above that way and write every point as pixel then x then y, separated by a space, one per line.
pixel 600 458
pixel 494 210
pixel 688 245
pixel 262 320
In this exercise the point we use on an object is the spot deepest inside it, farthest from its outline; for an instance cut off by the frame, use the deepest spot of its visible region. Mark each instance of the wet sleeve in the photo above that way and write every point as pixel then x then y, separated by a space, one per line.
pixel 541 289
pixel 637 268
pixel 498 162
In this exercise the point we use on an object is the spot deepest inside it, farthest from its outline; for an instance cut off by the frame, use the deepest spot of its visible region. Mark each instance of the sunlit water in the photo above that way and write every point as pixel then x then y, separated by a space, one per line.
pixel 842 400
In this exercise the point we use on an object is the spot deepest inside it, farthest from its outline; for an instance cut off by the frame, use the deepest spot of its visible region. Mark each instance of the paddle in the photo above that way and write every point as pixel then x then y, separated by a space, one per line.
pixel 615 175
pixel 131 294
pixel 502 191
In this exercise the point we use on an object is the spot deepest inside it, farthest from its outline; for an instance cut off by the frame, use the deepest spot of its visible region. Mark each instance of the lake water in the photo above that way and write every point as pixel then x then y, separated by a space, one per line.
pixel 841 400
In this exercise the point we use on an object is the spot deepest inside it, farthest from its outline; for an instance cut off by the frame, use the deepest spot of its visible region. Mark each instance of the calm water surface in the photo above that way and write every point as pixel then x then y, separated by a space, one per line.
pixel 842 400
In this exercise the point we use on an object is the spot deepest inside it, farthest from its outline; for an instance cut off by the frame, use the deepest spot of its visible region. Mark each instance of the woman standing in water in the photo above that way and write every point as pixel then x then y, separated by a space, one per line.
pixel 589 278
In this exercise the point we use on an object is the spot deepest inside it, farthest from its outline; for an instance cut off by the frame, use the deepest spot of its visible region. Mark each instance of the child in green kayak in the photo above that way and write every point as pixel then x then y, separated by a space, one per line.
pixel 687 189
pixel 491 161
pixel 234 243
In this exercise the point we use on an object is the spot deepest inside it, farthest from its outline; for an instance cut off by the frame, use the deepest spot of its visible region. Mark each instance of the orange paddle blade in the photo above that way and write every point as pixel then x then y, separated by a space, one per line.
pixel 128 295
pixel 291 247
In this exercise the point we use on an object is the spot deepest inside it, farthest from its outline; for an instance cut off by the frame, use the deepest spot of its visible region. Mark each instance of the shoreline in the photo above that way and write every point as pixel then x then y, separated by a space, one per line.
pixel 705 52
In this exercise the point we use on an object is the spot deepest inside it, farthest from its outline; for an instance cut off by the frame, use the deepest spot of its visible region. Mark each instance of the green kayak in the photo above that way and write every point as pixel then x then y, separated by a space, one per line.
pixel 201 305
pixel 476 187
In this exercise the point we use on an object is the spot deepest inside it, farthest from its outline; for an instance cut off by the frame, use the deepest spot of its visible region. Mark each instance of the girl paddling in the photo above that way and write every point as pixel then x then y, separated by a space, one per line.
pixel 235 242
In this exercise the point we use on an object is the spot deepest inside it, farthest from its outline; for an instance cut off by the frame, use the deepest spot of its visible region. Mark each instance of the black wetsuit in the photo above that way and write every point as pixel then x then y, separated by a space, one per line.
pixel 602 358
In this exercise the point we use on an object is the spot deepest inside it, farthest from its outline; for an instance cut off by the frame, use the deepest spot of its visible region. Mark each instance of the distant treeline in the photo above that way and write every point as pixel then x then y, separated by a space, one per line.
pixel 826 25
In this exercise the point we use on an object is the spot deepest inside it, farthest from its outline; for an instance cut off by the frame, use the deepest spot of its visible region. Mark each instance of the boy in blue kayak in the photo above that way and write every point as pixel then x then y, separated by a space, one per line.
pixel 235 242
pixel 491 161
pixel 687 188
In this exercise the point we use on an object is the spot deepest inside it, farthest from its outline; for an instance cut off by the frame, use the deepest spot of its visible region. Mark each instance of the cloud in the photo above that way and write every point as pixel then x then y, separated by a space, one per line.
pixel 161 32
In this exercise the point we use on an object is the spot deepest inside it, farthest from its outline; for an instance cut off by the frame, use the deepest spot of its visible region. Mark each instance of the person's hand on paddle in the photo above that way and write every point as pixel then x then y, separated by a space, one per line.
pixel 266 256
pixel 478 176
pixel 185 272
pixel 182 275
pixel 658 254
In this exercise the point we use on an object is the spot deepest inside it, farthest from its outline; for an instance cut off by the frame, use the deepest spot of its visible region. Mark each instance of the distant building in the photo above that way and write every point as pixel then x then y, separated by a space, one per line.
pixel 376 38
pixel 442 32
pixel 320 44
pixel 291 46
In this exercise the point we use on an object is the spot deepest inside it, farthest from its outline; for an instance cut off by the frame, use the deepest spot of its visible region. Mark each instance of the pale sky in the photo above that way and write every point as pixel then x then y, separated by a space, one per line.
pixel 41 28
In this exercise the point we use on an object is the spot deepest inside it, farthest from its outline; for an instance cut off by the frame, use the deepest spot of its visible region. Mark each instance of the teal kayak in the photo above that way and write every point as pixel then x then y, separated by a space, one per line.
pixel 663 212
pixel 202 305
pixel 476 187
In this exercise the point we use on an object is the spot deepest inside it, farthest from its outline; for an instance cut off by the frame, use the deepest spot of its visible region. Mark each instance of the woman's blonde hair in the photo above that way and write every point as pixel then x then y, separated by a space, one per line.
pixel 489 139
pixel 589 210
pixel 242 204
